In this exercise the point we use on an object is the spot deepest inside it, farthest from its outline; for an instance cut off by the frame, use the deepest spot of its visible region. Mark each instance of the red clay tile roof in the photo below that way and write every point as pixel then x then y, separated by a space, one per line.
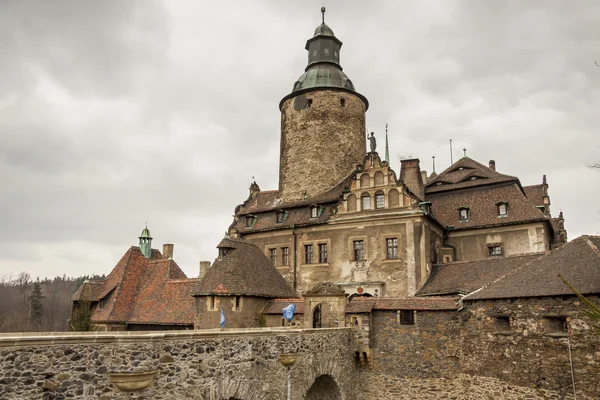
pixel 276 306
pixel 577 261
pixel 137 290
pixel 459 174
pixel 416 303
pixel 360 305
pixel 465 277
pixel 243 271
pixel 483 210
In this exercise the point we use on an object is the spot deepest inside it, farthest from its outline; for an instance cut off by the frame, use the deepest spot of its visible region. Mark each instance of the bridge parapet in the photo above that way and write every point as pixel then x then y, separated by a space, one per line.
pixel 203 364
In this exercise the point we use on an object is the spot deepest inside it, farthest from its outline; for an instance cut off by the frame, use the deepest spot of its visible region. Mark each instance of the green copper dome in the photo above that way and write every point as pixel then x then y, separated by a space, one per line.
pixel 323 70
pixel 324 30
pixel 323 75
pixel 145 234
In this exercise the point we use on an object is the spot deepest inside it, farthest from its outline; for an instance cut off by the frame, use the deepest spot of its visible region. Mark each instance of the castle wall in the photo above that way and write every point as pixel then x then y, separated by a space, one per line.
pixel 473 245
pixel 321 143
pixel 190 365
pixel 508 349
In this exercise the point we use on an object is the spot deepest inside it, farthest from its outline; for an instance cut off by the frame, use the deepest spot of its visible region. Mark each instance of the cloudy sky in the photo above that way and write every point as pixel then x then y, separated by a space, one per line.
pixel 117 113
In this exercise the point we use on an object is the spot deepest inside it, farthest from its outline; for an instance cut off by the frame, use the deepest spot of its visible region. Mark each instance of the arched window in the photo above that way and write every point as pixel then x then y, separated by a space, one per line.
pixel 365 181
pixel 365 201
pixel 351 201
pixel 378 178
pixel 379 199
pixel 393 198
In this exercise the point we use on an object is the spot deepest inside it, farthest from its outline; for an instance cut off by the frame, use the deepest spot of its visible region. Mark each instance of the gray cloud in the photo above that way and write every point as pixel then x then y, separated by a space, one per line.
pixel 116 113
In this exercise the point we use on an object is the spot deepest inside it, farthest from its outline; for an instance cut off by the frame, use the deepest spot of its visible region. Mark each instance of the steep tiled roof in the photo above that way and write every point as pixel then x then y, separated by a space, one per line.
pixel 460 175
pixel 416 303
pixel 465 277
pixel 577 261
pixel 270 201
pixel 483 210
pixel 276 306
pixel 360 305
pixel 138 290
pixel 243 270
pixel 535 194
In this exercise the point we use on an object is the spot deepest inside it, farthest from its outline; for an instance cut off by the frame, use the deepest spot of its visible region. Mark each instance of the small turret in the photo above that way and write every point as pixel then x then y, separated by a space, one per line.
pixel 146 242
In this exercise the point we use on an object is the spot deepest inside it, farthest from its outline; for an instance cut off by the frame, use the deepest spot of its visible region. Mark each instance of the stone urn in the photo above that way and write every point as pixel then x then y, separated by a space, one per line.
pixel 287 359
pixel 132 381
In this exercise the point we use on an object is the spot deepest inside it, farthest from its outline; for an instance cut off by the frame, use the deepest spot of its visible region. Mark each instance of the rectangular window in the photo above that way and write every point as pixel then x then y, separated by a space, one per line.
pixel 502 211
pixel 308 254
pixel 407 317
pixel 323 253
pixel 359 250
pixel 379 200
pixel 366 202
pixel 280 217
pixel 392 248
pixel 464 214
pixel 555 324
pixel 495 251
pixel 238 303
pixel 249 221
pixel 212 303
pixel 285 256
pixel 502 323
pixel 314 212
pixel 273 256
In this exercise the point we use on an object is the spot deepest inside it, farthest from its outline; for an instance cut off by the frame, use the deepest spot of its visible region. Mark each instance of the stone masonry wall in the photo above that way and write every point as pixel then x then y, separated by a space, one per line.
pixel 533 349
pixel 502 349
pixel 320 144
pixel 211 365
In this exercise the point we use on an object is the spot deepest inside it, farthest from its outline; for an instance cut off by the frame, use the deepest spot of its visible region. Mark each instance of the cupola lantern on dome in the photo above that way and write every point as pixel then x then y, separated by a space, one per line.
pixel 324 69
pixel 146 242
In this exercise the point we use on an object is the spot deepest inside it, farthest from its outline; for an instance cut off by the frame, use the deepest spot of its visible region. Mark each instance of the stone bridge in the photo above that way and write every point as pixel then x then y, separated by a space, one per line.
pixel 208 364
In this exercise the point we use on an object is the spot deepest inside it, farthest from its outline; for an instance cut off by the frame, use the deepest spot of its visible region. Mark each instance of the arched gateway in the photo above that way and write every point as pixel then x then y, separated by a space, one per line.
pixel 324 388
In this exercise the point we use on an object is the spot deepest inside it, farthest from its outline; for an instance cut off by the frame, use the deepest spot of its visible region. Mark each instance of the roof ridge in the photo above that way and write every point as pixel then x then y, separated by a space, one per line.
pixel 491 259
pixel 591 244
pixel 507 274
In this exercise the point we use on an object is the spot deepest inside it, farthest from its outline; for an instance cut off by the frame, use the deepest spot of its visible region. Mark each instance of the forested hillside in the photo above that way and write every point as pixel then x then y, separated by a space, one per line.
pixel 28 305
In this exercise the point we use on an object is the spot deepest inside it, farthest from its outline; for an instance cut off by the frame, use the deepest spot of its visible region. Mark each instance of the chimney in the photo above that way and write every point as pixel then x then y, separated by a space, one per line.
pixel 410 174
pixel 493 164
pixel 204 266
pixel 424 176
pixel 168 251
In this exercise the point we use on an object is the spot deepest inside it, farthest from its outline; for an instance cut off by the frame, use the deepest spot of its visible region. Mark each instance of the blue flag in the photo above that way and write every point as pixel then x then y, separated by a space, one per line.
pixel 222 323
pixel 288 312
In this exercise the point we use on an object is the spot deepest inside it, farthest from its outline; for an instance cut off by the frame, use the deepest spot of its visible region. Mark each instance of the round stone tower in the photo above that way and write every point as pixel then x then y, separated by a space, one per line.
pixel 323 134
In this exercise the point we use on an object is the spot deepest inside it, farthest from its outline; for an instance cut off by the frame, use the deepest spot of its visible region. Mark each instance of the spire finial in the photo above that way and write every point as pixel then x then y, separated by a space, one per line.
pixel 464 151
pixel 323 13
pixel 387 148
pixel 433 158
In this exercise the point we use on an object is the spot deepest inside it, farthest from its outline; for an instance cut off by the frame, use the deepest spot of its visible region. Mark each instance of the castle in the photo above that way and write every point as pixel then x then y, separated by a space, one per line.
pixel 455 268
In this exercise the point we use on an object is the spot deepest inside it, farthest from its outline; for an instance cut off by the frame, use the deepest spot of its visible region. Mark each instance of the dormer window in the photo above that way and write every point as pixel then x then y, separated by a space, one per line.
pixel 461 168
pixel 223 252
pixel 250 220
pixel 463 214
pixel 473 178
pixel 314 212
pixel 502 209
pixel 280 216
pixel 439 183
